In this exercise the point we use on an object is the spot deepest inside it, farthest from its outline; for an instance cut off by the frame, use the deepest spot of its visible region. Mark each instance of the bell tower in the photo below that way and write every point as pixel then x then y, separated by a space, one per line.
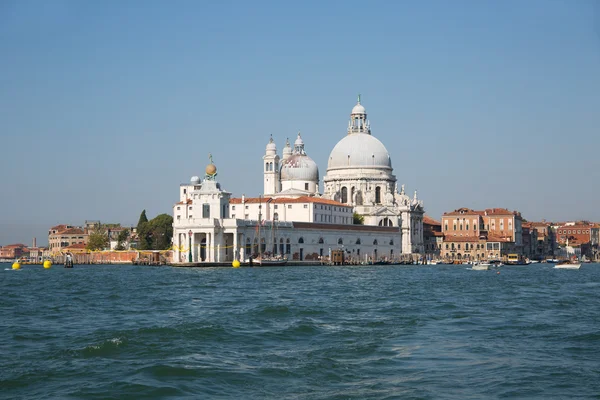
pixel 272 182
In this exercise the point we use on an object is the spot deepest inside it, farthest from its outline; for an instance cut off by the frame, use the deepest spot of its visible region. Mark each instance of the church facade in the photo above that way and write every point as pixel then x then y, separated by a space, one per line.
pixel 292 219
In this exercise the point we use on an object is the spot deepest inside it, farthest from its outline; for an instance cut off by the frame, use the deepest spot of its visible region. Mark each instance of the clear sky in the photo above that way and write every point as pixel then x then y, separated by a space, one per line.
pixel 107 106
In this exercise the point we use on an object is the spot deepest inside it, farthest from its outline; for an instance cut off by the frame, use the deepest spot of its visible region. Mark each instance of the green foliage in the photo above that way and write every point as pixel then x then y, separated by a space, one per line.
pixel 143 219
pixel 98 239
pixel 121 239
pixel 358 219
pixel 161 231
pixel 145 242
pixel 155 234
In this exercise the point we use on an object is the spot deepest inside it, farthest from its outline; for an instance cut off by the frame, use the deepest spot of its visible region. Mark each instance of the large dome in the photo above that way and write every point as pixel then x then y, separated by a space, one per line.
pixel 359 150
pixel 299 167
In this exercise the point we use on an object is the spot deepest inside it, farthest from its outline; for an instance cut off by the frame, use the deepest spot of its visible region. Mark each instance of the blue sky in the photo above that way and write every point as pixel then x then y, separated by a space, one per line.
pixel 107 106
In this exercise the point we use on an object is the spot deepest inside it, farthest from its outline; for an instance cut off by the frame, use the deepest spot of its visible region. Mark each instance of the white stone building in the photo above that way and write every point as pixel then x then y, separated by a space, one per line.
pixel 292 218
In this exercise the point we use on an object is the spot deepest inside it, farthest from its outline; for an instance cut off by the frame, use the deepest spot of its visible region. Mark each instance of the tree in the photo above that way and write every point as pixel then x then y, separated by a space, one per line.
pixel 143 232
pixel 98 239
pixel 121 239
pixel 160 231
pixel 143 219
pixel 358 219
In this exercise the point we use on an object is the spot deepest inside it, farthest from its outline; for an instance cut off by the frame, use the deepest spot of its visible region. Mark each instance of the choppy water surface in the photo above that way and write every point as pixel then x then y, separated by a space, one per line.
pixel 100 332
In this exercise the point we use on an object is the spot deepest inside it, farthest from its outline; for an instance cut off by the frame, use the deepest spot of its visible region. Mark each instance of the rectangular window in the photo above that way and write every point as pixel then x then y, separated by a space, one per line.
pixel 289 206
pixel 306 206
pixel 205 210
pixel 232 215
pixel 232 207
pixel 275 206
pixel 179 208
pixel 246 216
pixel 184 191
pixel 306 186
pixel 190 208
pixel 191 216
pixel 178 217
pixel 246 207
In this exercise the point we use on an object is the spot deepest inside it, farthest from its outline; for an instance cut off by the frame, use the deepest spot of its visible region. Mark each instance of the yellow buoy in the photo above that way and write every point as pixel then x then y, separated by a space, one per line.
pixel 16 265
pixel 235 264
pixel 47 264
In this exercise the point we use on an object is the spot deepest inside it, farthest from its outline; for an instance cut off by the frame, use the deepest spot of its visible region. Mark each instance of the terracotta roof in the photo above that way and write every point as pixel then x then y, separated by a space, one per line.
pixel 430 221
pixel 75 246
pixel 498 211
pixel 60 227
pixel 71 231
pixel 286 200
pixel 463 211
pixel 361 228
pixel 11 246
pixel 576 226
pixel 188 201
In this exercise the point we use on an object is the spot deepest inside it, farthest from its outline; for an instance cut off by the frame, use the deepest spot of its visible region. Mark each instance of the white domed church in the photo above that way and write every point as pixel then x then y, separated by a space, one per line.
pixel 292 218
pixel 359 174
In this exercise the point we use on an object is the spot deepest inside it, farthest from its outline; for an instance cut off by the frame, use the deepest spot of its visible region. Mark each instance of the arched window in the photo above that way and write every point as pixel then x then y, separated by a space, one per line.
pixel 344 194
pixel 378 195
pixel 301 240
pixel 288 247
pixel 340 241
pixel 352 193
pixel 375 242
pixel 321 241
pixel 276 216
pixel 459 246
pixel 386 222
pixel 446 246
pixel 266 166
pixel 391 242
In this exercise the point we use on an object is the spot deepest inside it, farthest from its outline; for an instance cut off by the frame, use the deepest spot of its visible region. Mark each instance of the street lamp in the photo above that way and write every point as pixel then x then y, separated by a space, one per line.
pixel 190 251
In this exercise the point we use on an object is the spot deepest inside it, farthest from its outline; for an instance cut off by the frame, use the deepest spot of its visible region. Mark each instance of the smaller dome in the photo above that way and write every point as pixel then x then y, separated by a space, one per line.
pixel 211 169
pixel 359 109
pixel 195 180
pixel 287 149
pixel 271 147
pixel 299 141
pixel 300 167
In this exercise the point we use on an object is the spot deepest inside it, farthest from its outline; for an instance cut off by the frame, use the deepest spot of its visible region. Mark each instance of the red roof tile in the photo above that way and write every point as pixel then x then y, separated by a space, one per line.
pixel 75 246
pixel 430 221
pixel 286 200
pixel 463 211
pixel 71 231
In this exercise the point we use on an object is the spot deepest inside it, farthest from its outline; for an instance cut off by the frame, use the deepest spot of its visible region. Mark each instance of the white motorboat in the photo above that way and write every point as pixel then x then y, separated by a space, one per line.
pixel 480 266
pixel 568 265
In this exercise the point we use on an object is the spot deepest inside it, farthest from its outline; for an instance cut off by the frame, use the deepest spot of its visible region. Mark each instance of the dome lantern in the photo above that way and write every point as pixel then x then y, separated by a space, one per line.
pixel 358 120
